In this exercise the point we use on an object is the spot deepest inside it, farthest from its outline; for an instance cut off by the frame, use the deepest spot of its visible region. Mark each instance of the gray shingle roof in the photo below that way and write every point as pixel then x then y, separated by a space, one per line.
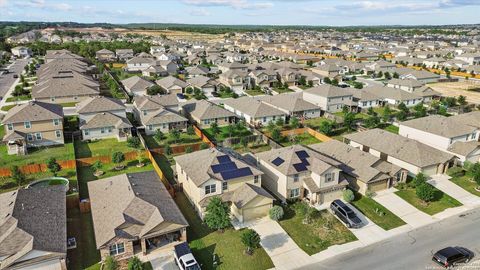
pixel 440 125
pixel 99 104
pixel 33 111
pixel 327 90
pixel 131 206
pixel 106 119
pixel 253 107
pixel 203 109
pixel 289 102
pixel 136 84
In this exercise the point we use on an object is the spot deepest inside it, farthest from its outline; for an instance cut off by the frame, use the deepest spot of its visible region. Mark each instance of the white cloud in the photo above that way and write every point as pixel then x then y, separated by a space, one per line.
pixel 236 4
pixel 3 3
pixel 201 12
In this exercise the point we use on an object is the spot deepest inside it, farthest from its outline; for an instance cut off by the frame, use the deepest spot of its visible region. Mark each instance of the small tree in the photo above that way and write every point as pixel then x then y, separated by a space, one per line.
pixel 348 120
pixel 244 142
pixel 17 175
pixel 167 150
pixel 276 213
pixel 276 134
pixel 133 142
pixel 118 157
pixel 230 130
pixel 280 122
pixel 475 173
pixel 348 195
pixel 53 166
pixel 372 121
pixel 294 122
pixel 387 114
pixel 135 264
pixel 176 135
pixel 250 239
pixel 420 179
pixel 155 90
pixel 159 135
pixel 425 192
pixel 190 130
pixel 97 166
pixel 271 126
pixel 215 128
pixel 217 215
pixel 326 127
pixel 110 263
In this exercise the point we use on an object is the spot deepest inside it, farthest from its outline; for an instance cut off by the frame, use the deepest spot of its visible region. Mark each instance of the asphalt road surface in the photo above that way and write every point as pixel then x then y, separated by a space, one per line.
pixel 414 250
pixel 6 80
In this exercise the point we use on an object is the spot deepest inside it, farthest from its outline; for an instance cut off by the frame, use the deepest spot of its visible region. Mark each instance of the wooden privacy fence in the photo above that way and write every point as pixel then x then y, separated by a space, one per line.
pixel 83 162
pixel 179 149
pixel 204 138
pixel 160 174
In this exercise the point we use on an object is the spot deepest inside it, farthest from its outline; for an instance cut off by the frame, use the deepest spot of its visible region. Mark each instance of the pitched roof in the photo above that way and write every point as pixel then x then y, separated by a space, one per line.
pixel 131 206
pixel 170 81
pixel 291 102
pixel 136 83
pixel 99 104
pixel 440 125
pixel 246 193
pixel 328 90
pixel 106 119
pixel 203 109
pixel 155 102
pixel 160 116
pixel 405 149
pixel 33 111
pixel 253 107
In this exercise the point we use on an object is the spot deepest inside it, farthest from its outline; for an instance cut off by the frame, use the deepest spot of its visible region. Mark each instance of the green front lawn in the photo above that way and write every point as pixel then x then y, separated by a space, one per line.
pixel 466 183
pixel 19 98
pixel 7 107
pixel 323 231
pixel 86 255
pixel 253 92
pixel 304 139
pixel 85 174
pixel 185 138
pixel 391 128
pixel 227 246
pixel 36 155
pixel 377 212
pixel 440 202
pixel 2 131
pixel 225 134
pixel 105 147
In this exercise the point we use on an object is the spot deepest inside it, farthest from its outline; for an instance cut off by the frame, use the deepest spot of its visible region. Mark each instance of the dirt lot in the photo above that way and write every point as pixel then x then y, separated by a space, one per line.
pixel 470 89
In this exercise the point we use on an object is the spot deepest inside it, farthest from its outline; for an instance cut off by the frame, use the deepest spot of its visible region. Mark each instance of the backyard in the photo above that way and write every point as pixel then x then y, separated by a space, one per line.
pixel 105 147
pixel 85 255
pixel 185 138
pixel 377 212
pixel 440 202
pixel 225 133
pixel 8 183
pixel 322 231
pixel 226 246
pixel 303 138
pixel 37 155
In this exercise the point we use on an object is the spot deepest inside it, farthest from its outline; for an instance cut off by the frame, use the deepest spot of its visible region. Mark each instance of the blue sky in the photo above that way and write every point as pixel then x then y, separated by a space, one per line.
pixel 274 12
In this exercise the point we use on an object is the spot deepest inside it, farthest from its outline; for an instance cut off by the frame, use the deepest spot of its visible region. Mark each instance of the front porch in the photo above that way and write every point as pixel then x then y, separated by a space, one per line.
pixel 151 243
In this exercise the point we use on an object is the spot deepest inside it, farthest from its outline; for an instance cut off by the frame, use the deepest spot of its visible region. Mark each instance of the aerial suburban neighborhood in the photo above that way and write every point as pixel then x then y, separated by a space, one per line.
pixel 251 135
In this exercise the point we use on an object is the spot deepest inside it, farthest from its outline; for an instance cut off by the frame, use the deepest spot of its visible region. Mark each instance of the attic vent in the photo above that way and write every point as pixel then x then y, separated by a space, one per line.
pixel 7 215
pixel 10 203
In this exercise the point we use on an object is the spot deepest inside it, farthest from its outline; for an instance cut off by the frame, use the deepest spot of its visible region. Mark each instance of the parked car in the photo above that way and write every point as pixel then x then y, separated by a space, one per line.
pixel 184 258
pixel 346 214
pixel 451 256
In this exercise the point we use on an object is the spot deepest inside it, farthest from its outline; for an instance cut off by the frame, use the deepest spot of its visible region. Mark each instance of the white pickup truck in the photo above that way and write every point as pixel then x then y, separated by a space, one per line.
pixel 184 258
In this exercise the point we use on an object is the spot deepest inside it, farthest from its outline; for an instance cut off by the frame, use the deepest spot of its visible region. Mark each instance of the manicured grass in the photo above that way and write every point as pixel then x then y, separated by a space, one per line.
pixel 315 123
pixel 2 131
pixel 440 202
pixel 254 92
pixel 227 246
pixel 225 134
pixel 323 231
pixel 357 115
pixel 86 255
pixel 303 138
pixel 166 167
pixel 7 183
pixel 19 98
pixel 392 129
pixel 185 138
pixel 7 107
pixel 377 212
pixel 85 174
pixel 68 104
pixel 106 147
pixel 466 183
pixel 36 155
pixel 253 148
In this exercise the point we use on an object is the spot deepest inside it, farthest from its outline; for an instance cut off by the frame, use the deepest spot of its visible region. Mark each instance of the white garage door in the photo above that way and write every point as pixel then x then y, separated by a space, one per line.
pixel 256 212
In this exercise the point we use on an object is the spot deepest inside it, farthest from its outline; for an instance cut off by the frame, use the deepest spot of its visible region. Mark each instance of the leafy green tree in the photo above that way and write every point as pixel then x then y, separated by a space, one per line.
pixel 118 157
pixel 419 179
pixel 348 195
pixel 110 263
pixel 327 80
pixel 401 115
pixel 276 213
pixel 294 122
pixel 475 173
pixel 215 129
pixel 276 134
pixel 155 90
pixel 402 107
pixel 134 263
pixel 230 130
pixel 425 192
pixel 372 121
pixel 420 110
pixel 159 136
pixel 133 142
pixel 167 150
pixel 17 175
pixel 387 114
pixel 271 126
pixel 396 75
pixel 217 215
pixel 190 130
pixel 176 135
pixel 348 120
pixel 250 239
pixel 370 111
pixel 53 166
pixel 326 127
pixel 280 122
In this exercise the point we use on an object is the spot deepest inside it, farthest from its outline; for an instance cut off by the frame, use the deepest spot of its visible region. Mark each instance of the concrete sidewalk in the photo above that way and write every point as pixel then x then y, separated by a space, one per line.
pixel 443 183
pixel 280 247
pixel 411 215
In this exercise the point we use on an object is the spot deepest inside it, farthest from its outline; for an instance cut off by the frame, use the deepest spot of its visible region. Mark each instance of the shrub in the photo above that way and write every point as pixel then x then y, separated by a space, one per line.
pixel 276 134
pixel 135 264
pixel 425 192
pixel 369 193
pixel 118 157
pixel 17 175
pixel 276 213
pixel 159 135
pixel 217 215
pixel 203 146
pixel 53 166
pixel 188 149
pixel 190 130
pixel 167 150
pixel 250 239
pixel 348 195
pixel 419 179
pixel 97 165
pixel 133 142
pixel 110 263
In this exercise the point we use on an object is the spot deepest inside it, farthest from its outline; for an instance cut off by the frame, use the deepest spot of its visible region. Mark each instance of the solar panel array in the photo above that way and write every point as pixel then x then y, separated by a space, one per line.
pixel 228 169
pixel 278 161
pixel 223 159
pixel 227 166
pixel 226 175
pixel 302 166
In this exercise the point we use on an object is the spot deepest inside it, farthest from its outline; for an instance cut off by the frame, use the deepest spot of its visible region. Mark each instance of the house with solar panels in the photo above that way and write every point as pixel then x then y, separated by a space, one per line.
pixel 297 172
pixel 208 173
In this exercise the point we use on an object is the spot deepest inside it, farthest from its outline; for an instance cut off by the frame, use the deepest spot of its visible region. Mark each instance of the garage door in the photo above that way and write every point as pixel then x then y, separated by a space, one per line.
pixel 378 186
pixel 256 212
pixel 331 196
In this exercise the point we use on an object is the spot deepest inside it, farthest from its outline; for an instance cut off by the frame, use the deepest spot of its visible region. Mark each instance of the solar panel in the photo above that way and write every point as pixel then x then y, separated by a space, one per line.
pixel 223 159
pixel 302 154
pixel 278 161
pixel 304 161
pixel 226 175
pixel 300 167
pixel 227 166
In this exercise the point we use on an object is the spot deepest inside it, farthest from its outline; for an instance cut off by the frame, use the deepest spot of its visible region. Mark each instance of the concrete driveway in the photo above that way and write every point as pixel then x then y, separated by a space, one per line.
pixel 443 183
pixel 161 259
pixel 283 251
pixel 411 215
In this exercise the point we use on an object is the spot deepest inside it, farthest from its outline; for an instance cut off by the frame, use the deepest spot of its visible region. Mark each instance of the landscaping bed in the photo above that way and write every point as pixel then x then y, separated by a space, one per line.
pixel 440 202
pixel 227 246
pixel 323 231
pixel 377 212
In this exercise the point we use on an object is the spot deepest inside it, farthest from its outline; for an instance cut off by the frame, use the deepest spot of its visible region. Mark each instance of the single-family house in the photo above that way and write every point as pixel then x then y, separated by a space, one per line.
pixel 329 98
pixel 254 111
pixel 21 52
pixel 172 85
pixel 204 113
pixel 105 55
pixel 124 54
pixel 136 85
pixel 292 104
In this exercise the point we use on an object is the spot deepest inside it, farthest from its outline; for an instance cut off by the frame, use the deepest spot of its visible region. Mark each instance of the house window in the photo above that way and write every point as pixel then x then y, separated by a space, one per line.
pixel 116 249
pixel 29 137
pixel 210 189
pixel 58 133
pixel 52 99
pixel 144 112
pixel 294 193
pixel 264 119
pixel 27 124
pixel 295 177
pixel 255 179
pixel 56 122
pixel 86 132
pixel 38 136
pixel 102 130
pixel 150 127
pixel 110 129
pixel 10 126
pixel 329 177
pixel 224 185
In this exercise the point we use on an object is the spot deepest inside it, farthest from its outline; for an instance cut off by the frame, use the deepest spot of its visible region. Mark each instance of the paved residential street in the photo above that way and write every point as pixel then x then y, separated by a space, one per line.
pixel 7 80
pixel 413 250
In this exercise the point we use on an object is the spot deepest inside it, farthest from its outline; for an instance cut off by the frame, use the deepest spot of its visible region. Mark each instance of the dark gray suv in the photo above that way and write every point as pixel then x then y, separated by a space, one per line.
pixel 346 214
